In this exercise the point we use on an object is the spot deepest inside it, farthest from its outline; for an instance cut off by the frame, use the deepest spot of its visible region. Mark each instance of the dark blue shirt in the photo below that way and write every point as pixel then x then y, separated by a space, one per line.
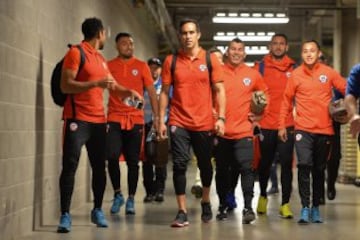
pixel 353 83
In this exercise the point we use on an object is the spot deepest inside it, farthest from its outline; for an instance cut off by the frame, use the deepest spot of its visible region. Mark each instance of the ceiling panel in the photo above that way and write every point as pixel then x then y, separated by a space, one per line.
pixel 308 18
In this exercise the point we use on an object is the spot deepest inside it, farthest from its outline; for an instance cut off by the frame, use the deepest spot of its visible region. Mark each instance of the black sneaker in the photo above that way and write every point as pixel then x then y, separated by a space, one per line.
pixel 180 220
pixel 148 198
pixel 331 192
pixel 159 197
pixel 222 213
pixel 248 216
pixel 206 213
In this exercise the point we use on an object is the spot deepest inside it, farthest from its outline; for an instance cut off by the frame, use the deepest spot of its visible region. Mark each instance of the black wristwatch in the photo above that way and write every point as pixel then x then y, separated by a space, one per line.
pixel 222 119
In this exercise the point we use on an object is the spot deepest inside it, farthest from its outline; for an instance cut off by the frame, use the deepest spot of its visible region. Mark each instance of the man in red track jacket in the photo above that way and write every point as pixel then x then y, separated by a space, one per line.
pixel 311 86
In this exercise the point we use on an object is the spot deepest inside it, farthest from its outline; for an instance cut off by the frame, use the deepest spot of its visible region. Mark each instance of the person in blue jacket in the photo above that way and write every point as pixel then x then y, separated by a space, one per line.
pixel 351 96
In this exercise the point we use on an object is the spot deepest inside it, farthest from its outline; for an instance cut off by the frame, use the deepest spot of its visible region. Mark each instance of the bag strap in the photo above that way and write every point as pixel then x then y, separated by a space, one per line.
pixel 208 64
pixel 82 62
pixel 173 65
pixel 261 67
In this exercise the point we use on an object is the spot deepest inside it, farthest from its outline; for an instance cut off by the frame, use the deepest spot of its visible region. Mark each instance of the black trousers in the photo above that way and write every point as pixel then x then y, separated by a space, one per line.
pixel 127 142
pixel 181 141
pixel 153 177
pixel 312 152
pixel 269 146
pixel 93 136
pixel 335 156
pixel 235 155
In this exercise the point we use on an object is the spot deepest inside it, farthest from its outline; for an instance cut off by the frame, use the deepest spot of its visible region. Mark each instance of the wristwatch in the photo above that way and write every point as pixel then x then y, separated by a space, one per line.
pixel 222 119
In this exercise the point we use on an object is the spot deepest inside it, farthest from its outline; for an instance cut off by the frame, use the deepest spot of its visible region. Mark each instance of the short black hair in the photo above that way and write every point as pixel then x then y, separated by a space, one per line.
pixel 214 49
pixel 280 35
pixel 154 60
pixel 189 20
pixel 237 40
pixel 122 34
pixel 91 27
pixel 312 41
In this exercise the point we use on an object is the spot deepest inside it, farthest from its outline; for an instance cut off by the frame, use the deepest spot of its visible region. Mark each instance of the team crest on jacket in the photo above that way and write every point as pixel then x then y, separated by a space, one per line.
pixel 202 67
pixel 323 78
pixel 247 81
pixel 134 72
pixel 288 74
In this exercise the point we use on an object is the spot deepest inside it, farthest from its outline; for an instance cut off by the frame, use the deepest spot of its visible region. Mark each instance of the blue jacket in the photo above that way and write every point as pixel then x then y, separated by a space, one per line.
pixel 353 83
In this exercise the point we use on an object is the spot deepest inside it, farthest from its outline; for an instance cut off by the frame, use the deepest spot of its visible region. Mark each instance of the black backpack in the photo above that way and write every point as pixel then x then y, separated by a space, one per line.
pixel 58 96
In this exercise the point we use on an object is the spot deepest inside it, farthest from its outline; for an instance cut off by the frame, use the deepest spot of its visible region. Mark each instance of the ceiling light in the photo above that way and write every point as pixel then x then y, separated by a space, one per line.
pixel 249 50
pixel 221 14
pixel 243 15
pixel 254 18
pixel 256 50
pixel 268 15
pixel 246 37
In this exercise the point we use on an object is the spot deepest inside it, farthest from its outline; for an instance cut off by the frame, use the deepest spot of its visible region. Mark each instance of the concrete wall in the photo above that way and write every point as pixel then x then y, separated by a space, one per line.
pixel 350 40
pixel 34 34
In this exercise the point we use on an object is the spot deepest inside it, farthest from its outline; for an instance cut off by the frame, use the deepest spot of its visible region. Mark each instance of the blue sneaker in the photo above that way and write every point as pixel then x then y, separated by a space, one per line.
pixel 117 203
pixel 130 206
pixel 305 216
pixel 65 223
pixel 98 218
pixel 230 201
pixel 315 215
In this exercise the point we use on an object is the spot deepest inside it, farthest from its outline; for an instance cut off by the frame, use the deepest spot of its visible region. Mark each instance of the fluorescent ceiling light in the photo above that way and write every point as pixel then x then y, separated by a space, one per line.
pixel 256 50
pixel 254 18
pixel 221 14
pixel 268 15
pixel 250 50
pixel 248 37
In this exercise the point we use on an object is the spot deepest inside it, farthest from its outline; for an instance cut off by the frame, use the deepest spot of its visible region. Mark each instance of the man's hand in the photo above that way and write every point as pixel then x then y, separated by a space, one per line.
pixel 282 134
pixel 162 131
pixel 106 83
pixel 155 124
pixel 355 125
pixel 219 127
pixel 254 117
pixel 135 95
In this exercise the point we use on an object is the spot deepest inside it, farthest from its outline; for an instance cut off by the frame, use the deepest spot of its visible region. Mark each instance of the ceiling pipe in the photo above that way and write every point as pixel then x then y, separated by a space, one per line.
pixel 162 18
pixel 231 5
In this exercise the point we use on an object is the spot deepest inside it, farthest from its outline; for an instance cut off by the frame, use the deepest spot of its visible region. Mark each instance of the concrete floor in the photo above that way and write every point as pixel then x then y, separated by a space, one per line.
pixel 152 221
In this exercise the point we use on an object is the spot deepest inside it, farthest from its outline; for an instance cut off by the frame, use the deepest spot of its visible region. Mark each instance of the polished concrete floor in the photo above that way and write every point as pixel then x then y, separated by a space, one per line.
pixel 152 221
